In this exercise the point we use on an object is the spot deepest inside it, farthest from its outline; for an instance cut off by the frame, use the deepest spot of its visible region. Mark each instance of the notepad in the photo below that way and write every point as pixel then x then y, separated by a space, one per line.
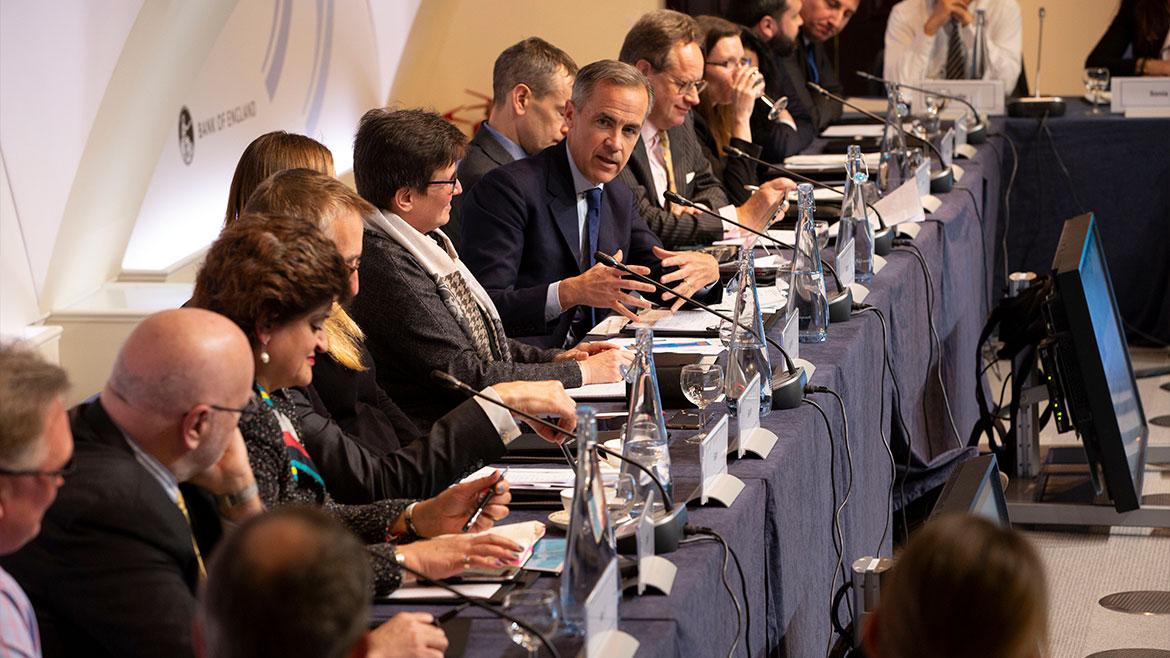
pixel 526 534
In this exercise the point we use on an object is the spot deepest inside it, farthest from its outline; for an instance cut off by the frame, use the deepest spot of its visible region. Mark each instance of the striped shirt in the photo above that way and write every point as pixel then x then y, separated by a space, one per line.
pixel 19 637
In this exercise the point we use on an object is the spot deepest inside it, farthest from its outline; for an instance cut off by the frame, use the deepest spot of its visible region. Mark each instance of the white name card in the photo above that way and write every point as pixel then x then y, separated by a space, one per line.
pixel 717 484
pixel 902 205
pixel 654 572
pixel 986 95
pixel 749 436
pixel 922 178
pixel 602 637
pixel 846 262
pixel 790 337
pixel 946 149
pixel 1143 96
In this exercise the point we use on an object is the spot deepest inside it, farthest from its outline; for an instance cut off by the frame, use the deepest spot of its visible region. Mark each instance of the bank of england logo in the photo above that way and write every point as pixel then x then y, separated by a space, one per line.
pixel 186 135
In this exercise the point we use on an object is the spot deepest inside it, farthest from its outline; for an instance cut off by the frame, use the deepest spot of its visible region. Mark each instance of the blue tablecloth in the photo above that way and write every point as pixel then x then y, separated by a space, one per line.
pixel 780 525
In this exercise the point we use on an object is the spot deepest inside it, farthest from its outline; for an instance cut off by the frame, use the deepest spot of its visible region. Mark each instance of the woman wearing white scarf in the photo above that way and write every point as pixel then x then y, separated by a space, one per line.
pixel 420 306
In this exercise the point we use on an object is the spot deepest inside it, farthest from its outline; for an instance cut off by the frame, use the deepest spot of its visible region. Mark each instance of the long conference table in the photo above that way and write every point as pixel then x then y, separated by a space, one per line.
pixel 780 525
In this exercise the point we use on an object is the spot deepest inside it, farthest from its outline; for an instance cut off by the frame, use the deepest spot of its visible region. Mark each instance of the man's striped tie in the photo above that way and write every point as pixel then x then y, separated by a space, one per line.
pixel 956 53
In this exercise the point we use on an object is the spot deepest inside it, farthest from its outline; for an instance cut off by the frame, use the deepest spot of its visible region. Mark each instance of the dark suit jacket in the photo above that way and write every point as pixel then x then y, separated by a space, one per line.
pixel 734 172
pixel 778 141
pixel 824 111
pixel 693 179
pixel 483 154
pixel 520 235
pixel 113 572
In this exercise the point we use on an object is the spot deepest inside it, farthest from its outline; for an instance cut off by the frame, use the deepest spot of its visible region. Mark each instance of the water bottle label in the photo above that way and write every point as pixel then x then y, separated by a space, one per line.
pixel 846 263
pixel 713 457
pixel 601 610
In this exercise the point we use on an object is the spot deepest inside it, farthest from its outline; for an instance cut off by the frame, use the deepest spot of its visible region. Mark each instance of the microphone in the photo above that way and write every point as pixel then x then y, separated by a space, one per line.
pixel 1037 105
pixel 976 134
pixel 940 181
pixel 667 528
pixel 787 389
pixel 840 302
pixel 883 238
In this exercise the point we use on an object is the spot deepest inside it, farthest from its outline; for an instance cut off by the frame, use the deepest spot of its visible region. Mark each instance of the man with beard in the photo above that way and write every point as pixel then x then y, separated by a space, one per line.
pixel 769 38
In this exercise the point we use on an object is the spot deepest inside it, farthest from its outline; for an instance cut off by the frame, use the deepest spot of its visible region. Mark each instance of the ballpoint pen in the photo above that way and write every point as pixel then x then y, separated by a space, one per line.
pixel 487 497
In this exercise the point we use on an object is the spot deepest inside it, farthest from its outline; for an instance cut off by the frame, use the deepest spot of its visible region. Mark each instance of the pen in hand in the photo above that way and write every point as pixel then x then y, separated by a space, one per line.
pixel 483 502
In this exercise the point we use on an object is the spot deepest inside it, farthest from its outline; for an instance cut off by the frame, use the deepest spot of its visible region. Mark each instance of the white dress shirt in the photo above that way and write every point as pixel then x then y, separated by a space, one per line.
pixel 912 56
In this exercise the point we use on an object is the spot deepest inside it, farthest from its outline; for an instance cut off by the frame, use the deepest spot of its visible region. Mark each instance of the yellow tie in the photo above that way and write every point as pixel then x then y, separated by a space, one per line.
pixel 664 141
pixel 198 558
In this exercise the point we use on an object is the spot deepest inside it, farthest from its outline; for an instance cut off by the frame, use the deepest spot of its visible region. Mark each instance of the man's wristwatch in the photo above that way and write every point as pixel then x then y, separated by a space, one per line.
pixel 227 501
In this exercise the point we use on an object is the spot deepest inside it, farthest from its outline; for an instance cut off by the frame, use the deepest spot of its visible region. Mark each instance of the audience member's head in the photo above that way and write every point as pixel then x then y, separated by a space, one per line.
pixel 610 102
pixel 531 82
pixel 963 588
pixel 776 22
pixel 664 46
pixel 177 385
pixel 268 154
pixel 404 161
pixel 277 278
pixel 824 19
pixel 289 583
pixel 35 442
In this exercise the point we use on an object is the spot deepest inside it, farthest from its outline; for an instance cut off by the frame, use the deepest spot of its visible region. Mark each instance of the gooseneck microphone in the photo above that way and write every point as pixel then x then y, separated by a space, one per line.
pixel 976 134
pixel 1037 105
pixel 840 302
pixel 787 388
pixel 940 181
pixel 883 238
pixel 668 528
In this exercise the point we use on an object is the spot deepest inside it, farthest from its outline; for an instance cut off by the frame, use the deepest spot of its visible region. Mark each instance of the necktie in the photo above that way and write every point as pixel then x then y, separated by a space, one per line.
pixel 956 53
pixel 812 65
pixel 198 558
pixel 664 142
pixel 592 229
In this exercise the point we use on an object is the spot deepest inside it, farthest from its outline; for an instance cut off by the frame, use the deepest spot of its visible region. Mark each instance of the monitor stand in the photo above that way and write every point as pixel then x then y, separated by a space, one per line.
pixel 1055 486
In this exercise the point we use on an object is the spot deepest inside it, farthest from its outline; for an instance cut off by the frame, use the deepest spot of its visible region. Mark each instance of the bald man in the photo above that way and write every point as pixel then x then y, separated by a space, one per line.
pixel 264 583
pixel 116 566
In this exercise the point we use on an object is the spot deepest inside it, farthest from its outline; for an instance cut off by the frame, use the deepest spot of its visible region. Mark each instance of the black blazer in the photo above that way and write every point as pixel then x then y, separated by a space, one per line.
pixel 734 172
pixel 483 154
pixel 778 141
pixel 1121 36
pixel 693 179
pixel 520 235
pixel 113 572
pixel 824 111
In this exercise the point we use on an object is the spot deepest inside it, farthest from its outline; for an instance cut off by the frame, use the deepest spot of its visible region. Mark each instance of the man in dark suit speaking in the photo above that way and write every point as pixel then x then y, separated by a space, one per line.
pixel 531 227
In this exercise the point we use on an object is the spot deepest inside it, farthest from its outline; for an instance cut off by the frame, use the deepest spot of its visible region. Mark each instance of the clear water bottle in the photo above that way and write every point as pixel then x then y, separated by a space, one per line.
pixel 806 287
pixel 979 53
pixel 893 168
pixel 854 216
pixel 590 547
pixel 747 350
pixel 645 440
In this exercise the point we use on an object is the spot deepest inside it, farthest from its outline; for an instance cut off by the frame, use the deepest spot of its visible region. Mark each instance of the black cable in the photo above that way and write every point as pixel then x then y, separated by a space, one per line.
pixel 1059 160
pixel 1007 208
pixel 710 535
pixel 865 308
pixel 910 247
pixel 848 487
pixel 463 597
pixel 834 527
pixel 982 249
pixel 747 634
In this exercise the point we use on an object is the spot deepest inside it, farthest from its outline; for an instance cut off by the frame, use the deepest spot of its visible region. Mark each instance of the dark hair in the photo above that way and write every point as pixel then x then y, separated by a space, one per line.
pixel 28 385
pixel 613 72
pixel 533 62
pixel 310 600
pixel 308 194
pixel 268 154
pixel 394 149
pixel 270 268
pixel 1151 20
pixel 963 587
pixel 655 34
pixel 713 28
pixel 749 12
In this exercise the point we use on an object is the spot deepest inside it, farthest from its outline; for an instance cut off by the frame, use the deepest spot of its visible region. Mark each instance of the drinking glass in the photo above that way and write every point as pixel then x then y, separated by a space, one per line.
pixel 821 228
pixel 538 609
pixel 1096 80
pixel 619 498
pixel 702 384
pixel 934 106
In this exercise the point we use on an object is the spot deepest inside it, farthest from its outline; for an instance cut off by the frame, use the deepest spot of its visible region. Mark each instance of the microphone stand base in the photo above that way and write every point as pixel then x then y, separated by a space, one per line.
pixel 942 180
pixel 841 305
pixel 788 388
pixel 883 241
pixel 978 134
pixel 668 530
pixel 1036 106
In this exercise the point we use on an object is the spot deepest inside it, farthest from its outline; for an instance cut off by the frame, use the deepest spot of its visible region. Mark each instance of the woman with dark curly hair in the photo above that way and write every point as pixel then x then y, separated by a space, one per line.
pixel 277 279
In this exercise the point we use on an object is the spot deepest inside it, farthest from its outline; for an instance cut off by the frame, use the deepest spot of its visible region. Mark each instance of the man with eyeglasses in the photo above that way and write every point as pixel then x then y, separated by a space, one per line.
pixel 35 450
pixel 664 46
pixel 116 567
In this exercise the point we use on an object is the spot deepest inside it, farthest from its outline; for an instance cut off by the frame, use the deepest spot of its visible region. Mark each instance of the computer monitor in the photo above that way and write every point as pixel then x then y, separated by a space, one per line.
pixel 1087 366
pixel 974 488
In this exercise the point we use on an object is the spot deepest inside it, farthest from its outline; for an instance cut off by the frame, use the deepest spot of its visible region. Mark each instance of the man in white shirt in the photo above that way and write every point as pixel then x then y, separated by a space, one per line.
pixel 935 39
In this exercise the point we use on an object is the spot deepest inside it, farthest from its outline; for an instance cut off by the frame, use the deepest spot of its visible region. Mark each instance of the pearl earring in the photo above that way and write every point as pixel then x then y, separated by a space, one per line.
pixel 263 356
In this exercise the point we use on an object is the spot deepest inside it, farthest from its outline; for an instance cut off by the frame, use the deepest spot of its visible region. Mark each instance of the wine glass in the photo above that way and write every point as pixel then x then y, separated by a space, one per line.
pixel 702 384
pixel 619 498
pixel 1096 80
pixel 934 106
pixel 821 229
pixel 535 607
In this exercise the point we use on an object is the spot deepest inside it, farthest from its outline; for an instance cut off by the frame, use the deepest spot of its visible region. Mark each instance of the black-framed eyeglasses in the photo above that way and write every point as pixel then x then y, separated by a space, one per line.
pixel 732 63
pixel 62 472
pixel 249 410
pixel 451 182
